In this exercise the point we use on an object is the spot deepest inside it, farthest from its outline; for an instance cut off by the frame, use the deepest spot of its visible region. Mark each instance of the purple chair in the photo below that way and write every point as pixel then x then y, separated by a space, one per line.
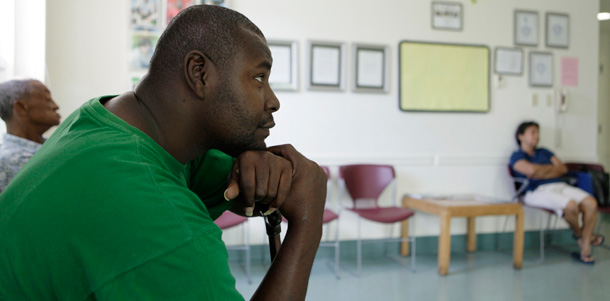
pixel 228 220
pixel 365 183
pixel 579 166
pixel 328 217
pixel 520 187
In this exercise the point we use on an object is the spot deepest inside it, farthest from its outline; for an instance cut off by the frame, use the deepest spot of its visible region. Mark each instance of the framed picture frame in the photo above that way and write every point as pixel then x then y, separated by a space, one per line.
pixel 223 3
pixel 146 15
pixel 446 15
pixel 371 66
pixel 173 7
pixel 284 73
pixel 508 61
pixel 143 45
pixel 541 69
pixel 526 28
pixel 557 30
pixel 327 64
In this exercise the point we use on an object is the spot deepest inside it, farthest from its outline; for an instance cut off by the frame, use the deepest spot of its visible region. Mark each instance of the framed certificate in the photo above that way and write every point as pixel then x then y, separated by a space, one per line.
pixel 509 61
pixel 326 66
pixel 447 15
pixel 284 73
pixel 541 69
pixel 526 28
pixel 370 68
pixel 557 30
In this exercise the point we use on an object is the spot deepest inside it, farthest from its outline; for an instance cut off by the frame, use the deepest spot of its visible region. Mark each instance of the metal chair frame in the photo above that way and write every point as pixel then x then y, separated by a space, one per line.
pixel 518 197
pixel 335 242
pixel 411 238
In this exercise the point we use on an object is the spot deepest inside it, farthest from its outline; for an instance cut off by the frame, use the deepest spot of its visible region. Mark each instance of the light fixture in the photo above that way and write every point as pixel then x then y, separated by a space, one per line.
pixel 603 16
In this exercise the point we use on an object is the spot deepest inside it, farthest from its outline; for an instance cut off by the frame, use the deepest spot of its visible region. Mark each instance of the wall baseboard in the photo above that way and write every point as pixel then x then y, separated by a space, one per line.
pixel 425 245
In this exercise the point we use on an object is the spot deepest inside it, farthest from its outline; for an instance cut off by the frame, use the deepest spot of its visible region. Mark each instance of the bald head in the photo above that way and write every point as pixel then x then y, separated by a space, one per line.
pixel 215 31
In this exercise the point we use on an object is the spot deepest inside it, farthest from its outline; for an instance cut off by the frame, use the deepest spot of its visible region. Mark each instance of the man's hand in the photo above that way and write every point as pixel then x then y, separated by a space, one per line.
pixel 288 275
pixel 260 178
pixel 307 195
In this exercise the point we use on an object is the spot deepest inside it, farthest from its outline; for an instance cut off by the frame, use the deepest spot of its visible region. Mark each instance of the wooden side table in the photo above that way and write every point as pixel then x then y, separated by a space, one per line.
pixel 470 209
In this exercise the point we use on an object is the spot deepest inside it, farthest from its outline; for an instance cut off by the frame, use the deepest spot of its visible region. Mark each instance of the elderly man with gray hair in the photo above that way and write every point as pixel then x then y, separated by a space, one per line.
pixel 28 110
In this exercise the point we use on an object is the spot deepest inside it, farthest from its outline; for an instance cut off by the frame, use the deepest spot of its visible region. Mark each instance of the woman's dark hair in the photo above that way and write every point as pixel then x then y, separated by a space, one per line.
pixel 522 127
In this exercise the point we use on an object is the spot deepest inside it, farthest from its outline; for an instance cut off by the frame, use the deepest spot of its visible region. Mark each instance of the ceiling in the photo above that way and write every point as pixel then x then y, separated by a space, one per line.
pixel 604 6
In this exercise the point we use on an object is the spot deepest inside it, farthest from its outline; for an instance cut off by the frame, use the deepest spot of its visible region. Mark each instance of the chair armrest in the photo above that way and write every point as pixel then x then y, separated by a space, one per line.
pixel 522 188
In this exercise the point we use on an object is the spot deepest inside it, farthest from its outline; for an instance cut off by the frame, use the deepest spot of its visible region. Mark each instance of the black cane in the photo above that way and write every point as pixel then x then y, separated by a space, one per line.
pixel 273 223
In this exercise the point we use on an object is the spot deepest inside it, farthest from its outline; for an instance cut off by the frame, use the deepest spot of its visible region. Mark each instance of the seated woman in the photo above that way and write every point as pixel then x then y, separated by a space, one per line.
pixel 547 190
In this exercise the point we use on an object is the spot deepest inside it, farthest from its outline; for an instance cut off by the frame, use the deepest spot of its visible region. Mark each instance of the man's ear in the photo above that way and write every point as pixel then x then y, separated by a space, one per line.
pixel 20 108
pixel 197 69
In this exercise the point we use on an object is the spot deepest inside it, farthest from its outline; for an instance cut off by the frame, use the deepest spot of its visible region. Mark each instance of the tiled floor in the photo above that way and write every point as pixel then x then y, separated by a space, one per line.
pixel 484 275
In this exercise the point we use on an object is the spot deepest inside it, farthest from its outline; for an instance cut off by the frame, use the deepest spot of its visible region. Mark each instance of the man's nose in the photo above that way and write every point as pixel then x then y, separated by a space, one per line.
pixel 272 102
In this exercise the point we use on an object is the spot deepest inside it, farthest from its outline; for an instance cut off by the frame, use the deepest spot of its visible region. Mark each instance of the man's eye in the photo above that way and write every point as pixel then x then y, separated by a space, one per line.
pixel 260 78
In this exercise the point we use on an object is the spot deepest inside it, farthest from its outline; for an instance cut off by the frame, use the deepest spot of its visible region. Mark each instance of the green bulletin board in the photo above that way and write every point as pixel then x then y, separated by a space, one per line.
pixel 444 77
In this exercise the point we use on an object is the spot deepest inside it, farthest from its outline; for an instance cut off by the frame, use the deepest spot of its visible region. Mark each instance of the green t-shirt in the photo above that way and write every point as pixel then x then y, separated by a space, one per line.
pixel 102 212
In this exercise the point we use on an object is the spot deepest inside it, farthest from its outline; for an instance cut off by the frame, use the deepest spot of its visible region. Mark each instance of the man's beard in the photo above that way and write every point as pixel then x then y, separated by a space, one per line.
pixel 243 139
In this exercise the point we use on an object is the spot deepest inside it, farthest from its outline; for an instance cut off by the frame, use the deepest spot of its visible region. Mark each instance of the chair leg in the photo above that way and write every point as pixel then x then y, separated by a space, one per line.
pixel 247 244
pixel 337 249
pixel 359 250
pixel 412 239
pixel 337 259
pixel 543 237
pixel 248 264
pixel 503 233
pixel 541 245
pixel 385 245
pixel 549 227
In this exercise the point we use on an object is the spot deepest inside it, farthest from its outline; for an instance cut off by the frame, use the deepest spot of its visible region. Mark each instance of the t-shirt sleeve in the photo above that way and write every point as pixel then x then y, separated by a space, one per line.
pixel 547 153
pixel 208 178
pixel 516 156
pixel 197 270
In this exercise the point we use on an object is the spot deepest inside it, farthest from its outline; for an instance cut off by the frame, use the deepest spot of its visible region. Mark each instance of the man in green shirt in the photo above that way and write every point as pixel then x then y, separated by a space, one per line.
pixel 119 203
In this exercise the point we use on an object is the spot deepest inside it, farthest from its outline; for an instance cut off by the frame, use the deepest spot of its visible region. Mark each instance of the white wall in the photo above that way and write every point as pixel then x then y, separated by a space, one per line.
pixel 603 112
pixel 433 152
pixel 30 39
pixel 87 50
pixel 22 41
pixel 7 36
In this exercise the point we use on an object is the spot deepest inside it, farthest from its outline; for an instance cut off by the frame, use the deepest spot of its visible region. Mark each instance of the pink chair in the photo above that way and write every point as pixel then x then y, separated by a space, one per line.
pixel 328 217
pixel 365 183
pixel 228 220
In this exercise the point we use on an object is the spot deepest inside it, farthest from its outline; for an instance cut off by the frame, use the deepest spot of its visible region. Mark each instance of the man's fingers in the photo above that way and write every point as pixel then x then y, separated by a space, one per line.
pixel 283 189
pixel 263 177
pixel 232 190
pixel 247 184
pixel 286 151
